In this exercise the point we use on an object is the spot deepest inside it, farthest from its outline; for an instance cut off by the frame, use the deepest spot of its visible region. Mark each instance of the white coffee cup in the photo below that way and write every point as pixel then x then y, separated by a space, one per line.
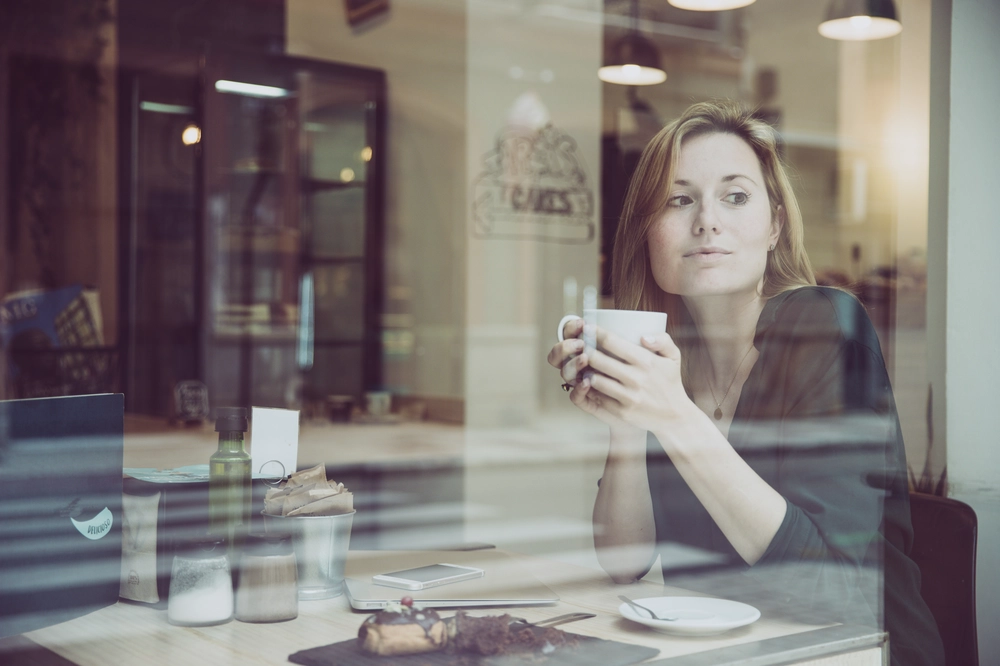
pixel 628 324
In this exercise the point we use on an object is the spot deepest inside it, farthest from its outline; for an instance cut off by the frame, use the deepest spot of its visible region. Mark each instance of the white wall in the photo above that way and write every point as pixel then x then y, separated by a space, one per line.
pixel 529 484
pixel 907 153
pixel 963 307
pixel 525 64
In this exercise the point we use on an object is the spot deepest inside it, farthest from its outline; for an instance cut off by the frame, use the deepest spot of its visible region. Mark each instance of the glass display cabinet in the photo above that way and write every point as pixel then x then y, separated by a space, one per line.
pixel 287 248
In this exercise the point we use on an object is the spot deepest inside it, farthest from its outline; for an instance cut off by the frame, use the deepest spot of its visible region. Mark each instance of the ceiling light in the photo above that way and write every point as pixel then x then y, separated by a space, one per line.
pixel 709 5
pixel 249 89
pixel 634 59
pixel 860 20
pixel 191 135
pixel 157 107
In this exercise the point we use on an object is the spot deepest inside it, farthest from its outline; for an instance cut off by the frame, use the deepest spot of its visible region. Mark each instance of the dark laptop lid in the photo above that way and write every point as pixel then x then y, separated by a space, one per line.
pixel 60 508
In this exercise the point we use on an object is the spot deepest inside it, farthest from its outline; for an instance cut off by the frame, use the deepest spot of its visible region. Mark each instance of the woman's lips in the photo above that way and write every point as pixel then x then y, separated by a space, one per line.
pixel 707 253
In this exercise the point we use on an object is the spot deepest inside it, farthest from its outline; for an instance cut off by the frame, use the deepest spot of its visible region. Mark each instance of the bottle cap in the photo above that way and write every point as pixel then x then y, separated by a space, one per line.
pixel 231 418
pixel 206 546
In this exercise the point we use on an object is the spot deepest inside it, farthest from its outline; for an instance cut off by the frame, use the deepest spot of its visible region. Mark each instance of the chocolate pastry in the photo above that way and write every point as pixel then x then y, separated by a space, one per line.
pixel 481 635
pixel 403 629
pixel 498 634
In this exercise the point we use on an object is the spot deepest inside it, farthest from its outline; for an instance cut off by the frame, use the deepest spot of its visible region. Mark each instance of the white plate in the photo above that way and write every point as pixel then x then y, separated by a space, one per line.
pixel 696 616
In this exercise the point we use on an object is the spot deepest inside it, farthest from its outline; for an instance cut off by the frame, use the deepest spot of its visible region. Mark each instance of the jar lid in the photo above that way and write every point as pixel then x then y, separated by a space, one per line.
pixel 203 547
pixel 230 419
pixel 268 544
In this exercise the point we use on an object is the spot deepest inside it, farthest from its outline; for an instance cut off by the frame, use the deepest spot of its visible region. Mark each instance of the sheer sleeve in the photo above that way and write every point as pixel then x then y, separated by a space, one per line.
pixel 840 465
pixel 817 421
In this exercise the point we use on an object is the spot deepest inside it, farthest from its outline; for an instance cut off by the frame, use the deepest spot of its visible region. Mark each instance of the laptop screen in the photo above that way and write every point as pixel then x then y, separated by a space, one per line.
pixel 60 508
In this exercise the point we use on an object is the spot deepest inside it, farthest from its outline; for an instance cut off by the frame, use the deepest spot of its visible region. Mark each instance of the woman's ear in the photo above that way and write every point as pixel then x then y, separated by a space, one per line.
pixel 777 222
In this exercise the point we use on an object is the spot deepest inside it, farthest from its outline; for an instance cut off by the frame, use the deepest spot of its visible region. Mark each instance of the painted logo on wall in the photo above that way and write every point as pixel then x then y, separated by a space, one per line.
pixel 534 186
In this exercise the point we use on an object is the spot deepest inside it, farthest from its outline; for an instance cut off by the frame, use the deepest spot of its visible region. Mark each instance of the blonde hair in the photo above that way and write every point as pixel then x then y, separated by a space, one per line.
pixel 787 265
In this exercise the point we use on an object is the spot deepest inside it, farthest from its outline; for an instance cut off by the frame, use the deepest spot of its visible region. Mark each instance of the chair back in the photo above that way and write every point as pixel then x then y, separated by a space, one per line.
pixel 944 548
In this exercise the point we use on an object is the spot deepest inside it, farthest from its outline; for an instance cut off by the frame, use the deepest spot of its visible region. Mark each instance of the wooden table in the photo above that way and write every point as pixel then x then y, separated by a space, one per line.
pixel 130 634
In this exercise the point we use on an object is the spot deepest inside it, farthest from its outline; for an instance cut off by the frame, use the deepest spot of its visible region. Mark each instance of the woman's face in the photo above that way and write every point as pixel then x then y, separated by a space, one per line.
pixel 714 235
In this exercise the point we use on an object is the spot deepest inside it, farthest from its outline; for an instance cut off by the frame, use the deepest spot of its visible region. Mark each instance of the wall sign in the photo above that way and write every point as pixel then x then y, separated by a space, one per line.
pixel 533 186
pixel 359 11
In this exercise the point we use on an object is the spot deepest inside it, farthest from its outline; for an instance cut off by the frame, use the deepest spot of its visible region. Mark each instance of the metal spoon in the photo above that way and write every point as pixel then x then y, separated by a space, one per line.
pixel 651 613
pixel 558 619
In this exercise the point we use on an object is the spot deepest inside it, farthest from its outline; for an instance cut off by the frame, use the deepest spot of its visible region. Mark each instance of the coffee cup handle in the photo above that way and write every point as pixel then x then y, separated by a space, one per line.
pixel 562 324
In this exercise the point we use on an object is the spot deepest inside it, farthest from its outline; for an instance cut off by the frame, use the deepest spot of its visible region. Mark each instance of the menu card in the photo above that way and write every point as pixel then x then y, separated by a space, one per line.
pixel 274 442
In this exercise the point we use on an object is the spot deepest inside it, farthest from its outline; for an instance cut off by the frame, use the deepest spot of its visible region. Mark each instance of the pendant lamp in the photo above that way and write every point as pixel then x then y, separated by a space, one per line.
pixel 709 5
pixel 634 60
pixel 860 20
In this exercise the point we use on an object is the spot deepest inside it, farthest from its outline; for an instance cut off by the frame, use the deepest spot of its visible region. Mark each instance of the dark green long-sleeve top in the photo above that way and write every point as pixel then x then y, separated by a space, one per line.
pixel 817 421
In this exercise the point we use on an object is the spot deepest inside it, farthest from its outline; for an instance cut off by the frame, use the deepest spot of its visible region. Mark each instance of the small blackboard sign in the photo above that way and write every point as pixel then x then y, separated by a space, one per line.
pixel 190 401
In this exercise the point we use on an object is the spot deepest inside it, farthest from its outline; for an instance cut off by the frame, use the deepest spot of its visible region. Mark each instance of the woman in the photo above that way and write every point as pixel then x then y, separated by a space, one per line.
pixel 761 426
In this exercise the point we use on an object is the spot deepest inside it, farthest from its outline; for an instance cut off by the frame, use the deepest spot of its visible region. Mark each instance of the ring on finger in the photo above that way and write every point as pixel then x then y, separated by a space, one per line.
pixel 567 387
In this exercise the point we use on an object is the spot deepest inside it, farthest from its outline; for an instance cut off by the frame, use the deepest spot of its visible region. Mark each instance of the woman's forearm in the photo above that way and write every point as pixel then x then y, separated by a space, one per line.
pixel 624 531
pixel 744 506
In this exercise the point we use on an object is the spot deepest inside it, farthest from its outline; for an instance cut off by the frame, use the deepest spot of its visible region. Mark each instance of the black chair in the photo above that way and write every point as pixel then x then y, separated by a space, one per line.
pixel 944 547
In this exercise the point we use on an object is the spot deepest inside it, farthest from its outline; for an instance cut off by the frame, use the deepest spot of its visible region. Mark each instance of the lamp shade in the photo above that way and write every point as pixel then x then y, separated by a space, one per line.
pixel 860 20
pixel 634 61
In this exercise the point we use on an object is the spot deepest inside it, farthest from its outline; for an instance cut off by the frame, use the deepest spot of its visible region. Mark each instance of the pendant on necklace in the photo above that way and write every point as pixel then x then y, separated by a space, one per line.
pixel 718 413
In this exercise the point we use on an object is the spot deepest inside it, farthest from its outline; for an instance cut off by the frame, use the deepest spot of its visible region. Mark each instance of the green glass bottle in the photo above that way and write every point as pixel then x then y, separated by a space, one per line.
pixel 229 480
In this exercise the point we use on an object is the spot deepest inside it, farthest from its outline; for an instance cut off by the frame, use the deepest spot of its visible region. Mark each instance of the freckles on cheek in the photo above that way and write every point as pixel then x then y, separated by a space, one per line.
pixel 657 251
pixel 659 260
pixel 658 242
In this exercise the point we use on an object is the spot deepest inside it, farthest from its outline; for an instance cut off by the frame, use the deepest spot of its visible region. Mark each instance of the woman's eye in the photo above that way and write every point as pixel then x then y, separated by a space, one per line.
pixel 737 198
pixel 680 200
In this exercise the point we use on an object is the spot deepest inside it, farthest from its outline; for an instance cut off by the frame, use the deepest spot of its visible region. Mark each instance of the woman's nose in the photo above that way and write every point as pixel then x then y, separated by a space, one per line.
pixel 706 219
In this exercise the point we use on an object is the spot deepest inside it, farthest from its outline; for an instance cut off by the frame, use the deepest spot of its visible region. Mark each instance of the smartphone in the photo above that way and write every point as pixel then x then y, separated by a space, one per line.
pixel 432 575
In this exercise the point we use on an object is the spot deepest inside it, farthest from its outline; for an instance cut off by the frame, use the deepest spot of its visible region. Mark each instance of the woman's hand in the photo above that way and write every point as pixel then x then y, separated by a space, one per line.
pixel 636 385
pixel 570 357
pixel 566 354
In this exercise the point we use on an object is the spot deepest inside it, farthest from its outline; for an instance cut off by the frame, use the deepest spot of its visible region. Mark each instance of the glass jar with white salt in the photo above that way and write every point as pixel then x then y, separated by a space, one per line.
pixel 201 584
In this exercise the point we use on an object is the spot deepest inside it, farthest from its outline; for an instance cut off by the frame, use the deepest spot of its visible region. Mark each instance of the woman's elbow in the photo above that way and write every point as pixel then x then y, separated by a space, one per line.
pixel 621 578
pixel 623 572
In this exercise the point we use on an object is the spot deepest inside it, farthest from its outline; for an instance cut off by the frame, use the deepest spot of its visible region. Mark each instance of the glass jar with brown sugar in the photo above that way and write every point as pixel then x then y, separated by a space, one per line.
pixel 268 582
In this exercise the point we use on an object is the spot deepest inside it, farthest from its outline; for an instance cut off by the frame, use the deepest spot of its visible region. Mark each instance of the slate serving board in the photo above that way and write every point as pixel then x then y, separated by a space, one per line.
pixel 588 652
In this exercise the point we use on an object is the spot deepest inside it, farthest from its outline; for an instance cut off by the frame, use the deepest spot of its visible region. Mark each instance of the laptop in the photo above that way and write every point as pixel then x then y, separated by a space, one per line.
pixel 60 508
pixel 505 583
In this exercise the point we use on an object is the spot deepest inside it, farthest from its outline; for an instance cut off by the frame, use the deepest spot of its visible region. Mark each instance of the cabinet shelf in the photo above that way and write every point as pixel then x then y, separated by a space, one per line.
pixel 261 202
pixel 278 240
pixel 254 333
pixel 311 259
pixel 252 170
pixel 310 185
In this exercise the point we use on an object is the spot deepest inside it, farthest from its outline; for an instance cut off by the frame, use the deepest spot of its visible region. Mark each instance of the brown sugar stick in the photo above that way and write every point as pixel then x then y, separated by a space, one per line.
pixel 327 506
pixel 299 497
pixel 313 475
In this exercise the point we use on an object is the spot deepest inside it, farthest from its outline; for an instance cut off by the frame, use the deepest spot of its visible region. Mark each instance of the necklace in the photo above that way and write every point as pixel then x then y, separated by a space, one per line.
pixel 718 403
